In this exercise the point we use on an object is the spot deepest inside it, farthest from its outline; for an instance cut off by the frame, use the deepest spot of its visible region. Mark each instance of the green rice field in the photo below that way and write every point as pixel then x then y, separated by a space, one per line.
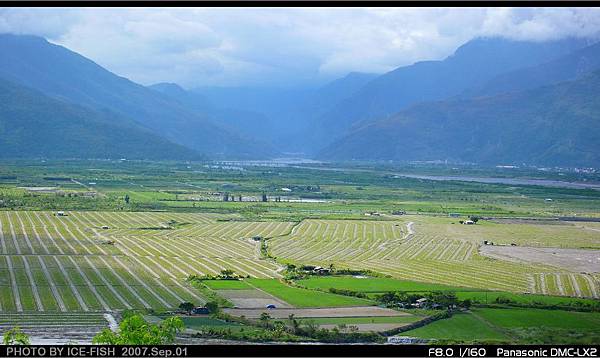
pixel 299 297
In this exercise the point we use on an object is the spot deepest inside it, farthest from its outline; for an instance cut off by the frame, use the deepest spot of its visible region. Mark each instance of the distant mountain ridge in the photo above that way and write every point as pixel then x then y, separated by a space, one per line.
pixel 60 73
pixel 564 68
pixel 243 122
pixel 35 125
pixel 552 125
pixel 492 101
pixel 471 65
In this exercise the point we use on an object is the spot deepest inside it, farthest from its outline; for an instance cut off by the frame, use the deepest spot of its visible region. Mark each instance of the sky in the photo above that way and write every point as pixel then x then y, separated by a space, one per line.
pixel 281 46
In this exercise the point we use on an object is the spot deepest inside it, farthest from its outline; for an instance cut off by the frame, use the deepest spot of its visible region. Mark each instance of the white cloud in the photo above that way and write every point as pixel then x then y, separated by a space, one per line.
pixel 238 46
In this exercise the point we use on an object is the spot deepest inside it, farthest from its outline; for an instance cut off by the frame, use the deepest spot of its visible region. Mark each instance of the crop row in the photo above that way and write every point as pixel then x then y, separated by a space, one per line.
pixel 360 241
pixel 404 252
pixel 565 284
pixel 71 264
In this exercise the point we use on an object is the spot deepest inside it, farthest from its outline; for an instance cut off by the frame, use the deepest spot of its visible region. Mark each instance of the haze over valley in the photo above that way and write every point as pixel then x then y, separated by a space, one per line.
pixel 494 99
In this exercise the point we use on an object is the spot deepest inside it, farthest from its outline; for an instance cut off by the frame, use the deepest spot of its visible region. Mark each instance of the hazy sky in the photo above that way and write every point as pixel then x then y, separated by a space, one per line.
pixel 279 46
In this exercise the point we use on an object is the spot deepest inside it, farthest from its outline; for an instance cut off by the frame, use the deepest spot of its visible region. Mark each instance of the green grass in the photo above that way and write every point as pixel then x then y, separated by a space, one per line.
pixel 226 284
pixel 487 297
pixel 517 325
pixel 196 322
pixel 460 327
pixel 373 284
pixel 208 323
pixel 361 320
pixel 299 297
pixel 526 318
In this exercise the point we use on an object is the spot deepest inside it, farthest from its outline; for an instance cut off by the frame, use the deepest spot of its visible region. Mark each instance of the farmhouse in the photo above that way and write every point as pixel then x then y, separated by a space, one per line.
pixel 421 303
pixel 200 310
pixel 104 227
pixel 469 222
pixel 321 270
pixel 60 213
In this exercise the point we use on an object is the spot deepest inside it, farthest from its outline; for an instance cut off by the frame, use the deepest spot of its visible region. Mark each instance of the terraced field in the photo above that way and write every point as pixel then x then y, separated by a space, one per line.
pixel 105 261
pixel 438 251
pixel 72 264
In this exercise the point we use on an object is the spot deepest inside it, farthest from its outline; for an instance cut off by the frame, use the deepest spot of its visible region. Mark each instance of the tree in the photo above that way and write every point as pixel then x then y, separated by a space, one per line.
pixel 290 267
pixel 265 318
pixel 294 323
pixel 446 299
pixel 212 306
pixel 227 273
pixel 126 199
pixel 466 303
pixel 278 328
pixel 134 330
pixel 16 337
pixel 186 306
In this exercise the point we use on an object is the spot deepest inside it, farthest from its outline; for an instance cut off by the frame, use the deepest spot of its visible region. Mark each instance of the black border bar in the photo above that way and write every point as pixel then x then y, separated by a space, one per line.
pixel 303 350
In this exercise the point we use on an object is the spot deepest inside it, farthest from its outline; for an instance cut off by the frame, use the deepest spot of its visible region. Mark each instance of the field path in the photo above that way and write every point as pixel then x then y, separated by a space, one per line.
pixel 35 232
pixel 407 236
pixel 157 277
pixel 141 282
pixel 45 228
pixel 55 293
pixel 108 284
pixel 36 294
pixel 112 322
pixel 80 299
pixel 543 283
pixel 12 233
pixel 15 288
pixel 27 241
pixel 131 290
pixel 411 232
pixel 2 243
pixel 559 284
pixel 575 285
pixel 89 284
pixel 60 234
pixel 531 283
pixel 592 285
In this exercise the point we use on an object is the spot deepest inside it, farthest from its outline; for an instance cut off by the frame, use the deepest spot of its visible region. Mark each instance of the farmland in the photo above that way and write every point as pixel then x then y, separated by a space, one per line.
pixel 520 325
pixel 133 232
pixel 65 263
pixel 411 250
pixel 304 298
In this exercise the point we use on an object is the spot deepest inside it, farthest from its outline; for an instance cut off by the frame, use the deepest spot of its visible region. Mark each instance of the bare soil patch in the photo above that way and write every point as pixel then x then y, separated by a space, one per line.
pixel 367 311
pixel 576 260
pixel 252 299
pixel 517 221
pixel 369 327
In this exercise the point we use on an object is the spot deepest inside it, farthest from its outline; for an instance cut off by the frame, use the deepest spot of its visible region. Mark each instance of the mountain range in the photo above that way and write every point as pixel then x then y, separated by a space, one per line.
pixel 63 74
pixel 492 101
pixel 556 125
pixel 33 125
